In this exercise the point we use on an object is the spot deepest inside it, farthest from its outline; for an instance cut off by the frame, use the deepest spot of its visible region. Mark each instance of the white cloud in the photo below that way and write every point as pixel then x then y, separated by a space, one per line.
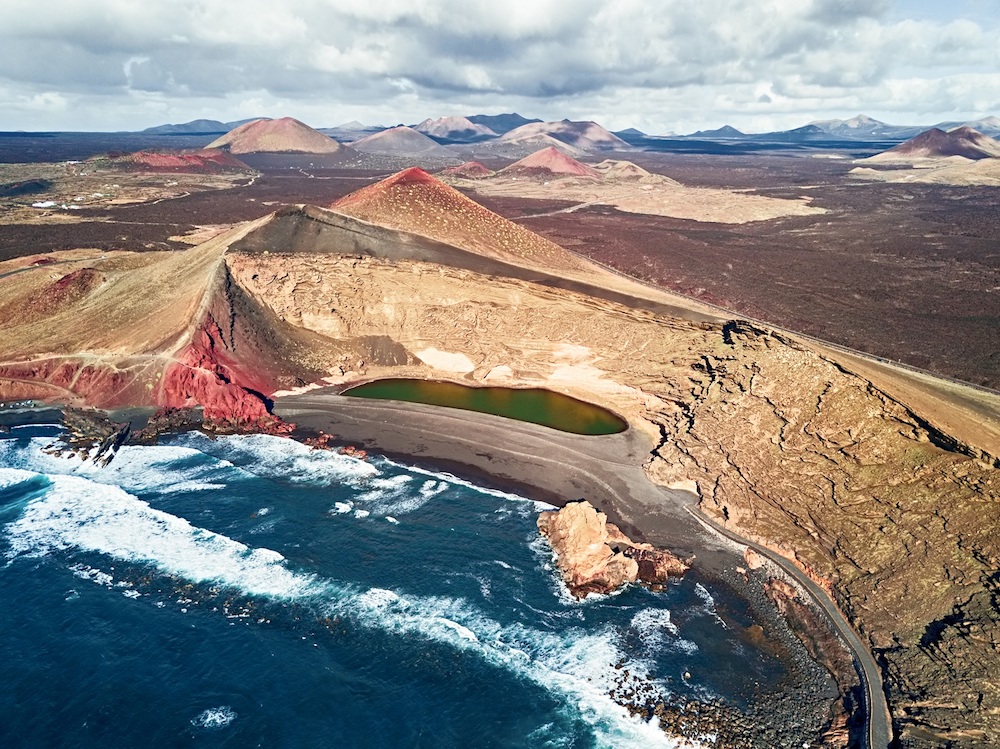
pixel 662 64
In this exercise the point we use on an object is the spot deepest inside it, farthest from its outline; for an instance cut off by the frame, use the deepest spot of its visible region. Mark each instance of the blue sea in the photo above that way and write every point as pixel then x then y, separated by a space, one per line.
pixel 248 591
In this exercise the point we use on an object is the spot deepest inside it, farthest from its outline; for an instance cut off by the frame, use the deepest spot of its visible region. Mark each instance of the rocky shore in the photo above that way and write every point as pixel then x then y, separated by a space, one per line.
pixel 594 556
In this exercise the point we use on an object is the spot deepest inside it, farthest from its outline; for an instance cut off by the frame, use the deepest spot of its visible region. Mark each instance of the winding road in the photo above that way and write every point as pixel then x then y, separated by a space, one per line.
pixel 879 731
pixel 538 460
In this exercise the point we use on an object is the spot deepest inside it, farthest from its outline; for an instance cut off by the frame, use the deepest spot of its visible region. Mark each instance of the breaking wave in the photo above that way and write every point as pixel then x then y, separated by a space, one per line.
pixel 68 510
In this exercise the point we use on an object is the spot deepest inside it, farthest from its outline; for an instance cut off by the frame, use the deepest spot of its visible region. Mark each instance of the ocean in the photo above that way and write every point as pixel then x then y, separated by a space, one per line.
pixel 249 591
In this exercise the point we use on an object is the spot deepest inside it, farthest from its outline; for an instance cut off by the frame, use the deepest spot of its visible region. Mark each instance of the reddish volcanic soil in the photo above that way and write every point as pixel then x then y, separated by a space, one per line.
pixel 205 161
pixel 909 272
pixel 550 162
pixel 414 201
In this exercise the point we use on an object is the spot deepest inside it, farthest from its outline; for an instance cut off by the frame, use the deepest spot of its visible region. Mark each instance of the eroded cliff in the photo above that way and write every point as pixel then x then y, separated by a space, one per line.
pixel 784 445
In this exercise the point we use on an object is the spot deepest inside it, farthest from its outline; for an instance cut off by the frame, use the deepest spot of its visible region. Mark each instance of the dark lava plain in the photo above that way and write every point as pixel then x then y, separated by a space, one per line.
pixel 907 272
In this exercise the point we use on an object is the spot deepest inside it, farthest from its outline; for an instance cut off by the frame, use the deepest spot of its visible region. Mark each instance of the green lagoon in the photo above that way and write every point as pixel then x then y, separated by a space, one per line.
pixel 535 405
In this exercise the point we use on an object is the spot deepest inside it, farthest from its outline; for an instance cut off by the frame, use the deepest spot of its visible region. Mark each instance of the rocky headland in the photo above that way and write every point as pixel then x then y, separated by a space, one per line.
pixel 881 488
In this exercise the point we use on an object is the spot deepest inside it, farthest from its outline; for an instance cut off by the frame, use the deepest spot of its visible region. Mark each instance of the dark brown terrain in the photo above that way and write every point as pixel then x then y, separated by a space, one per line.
pixel 904 271
pixel 872 481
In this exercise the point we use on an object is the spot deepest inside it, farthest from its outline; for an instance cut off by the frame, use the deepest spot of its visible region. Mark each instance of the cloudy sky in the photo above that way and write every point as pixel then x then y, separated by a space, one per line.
pixel 659 65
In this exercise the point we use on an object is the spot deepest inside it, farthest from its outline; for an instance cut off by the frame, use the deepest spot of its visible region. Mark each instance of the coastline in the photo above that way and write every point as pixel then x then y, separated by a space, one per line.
pixel 525 458
pixel 556 467
pixel 606 470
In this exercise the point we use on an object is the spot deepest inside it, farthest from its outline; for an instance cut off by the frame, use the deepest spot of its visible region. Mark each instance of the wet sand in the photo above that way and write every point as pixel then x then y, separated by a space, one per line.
pixel 557 467
pixel 531 460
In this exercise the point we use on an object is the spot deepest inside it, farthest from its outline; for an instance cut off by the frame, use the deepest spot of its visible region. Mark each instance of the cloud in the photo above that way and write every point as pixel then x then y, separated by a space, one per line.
pixel 549 56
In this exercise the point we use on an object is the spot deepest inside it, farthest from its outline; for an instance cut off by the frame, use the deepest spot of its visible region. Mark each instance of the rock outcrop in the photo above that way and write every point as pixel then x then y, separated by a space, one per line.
pixel 594 556
pixel 888 505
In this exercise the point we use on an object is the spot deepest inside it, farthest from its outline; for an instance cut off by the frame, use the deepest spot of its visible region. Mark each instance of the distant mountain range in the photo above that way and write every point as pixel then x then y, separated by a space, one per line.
pixel 198 127
pixel 511 135
pixel 861 128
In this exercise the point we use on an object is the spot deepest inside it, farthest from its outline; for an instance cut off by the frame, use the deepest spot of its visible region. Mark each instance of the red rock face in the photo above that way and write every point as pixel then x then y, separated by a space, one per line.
pixel 204 375
pixel 72 380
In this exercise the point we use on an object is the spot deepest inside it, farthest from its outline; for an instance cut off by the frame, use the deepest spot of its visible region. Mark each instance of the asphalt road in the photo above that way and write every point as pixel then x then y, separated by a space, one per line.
pixel 879 732
pixel 606 470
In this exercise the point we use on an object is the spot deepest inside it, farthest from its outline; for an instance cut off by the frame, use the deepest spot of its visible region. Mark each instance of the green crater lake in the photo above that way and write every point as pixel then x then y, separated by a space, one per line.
pixel 538 406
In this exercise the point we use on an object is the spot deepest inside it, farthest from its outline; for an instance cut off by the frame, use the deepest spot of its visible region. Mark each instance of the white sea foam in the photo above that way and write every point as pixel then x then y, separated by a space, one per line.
pixel 431 488
pixel 704 595
pixel 138 469
pixel 10 477
pixel 657 632
pixel 280 457
pixel 79 513
pixel 449 478
pixel 86 572
pixel 214 718
pixel 652 623
pixel 709 608
pixel 395 495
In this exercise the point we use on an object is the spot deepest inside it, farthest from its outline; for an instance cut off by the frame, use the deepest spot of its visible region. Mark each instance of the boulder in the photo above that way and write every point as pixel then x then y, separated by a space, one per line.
pixel 594 556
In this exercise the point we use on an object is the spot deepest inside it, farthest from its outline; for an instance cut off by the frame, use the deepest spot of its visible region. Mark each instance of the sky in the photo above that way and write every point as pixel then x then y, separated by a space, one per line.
pixel 658 65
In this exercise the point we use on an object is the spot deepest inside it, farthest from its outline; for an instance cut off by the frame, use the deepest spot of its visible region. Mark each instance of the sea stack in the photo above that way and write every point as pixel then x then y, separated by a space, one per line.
pixel 594 556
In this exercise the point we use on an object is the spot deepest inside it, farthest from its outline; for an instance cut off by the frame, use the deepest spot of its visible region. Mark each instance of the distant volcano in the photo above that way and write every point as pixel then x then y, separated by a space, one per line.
pixel 455 128
pixel 286 135
pixel 726 131
pixel 937 144
pixel 204 161
pixel 416 202
pixel 402 141
pixel 550 162
pixel 587 136
pixel 500 123
pixel 468 170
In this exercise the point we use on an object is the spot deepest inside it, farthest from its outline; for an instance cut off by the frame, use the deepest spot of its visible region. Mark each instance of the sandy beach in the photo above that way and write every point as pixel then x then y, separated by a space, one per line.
pixel 531 460
pixel 558 467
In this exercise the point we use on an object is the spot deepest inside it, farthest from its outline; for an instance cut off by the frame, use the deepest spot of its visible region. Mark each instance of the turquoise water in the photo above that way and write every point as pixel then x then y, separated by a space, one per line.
pixel 248 591
pixel 536 405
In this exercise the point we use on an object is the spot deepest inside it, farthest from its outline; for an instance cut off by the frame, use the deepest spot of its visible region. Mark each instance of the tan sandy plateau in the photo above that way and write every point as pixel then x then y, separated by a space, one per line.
pixel 883 488
pixel 629 188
